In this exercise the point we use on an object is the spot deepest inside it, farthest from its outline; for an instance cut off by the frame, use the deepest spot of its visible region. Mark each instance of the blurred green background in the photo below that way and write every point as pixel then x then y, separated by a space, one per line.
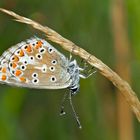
pixel 28 114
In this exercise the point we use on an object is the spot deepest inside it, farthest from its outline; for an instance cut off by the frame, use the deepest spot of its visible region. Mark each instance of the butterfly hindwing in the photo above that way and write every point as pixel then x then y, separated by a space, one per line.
pixel 36 64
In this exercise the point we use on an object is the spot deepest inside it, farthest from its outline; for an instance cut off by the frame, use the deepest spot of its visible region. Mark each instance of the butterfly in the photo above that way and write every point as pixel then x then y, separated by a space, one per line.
pixel 35 63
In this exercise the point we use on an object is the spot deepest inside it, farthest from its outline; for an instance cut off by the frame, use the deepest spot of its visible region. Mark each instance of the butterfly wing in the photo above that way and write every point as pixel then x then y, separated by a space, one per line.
pixel 35 64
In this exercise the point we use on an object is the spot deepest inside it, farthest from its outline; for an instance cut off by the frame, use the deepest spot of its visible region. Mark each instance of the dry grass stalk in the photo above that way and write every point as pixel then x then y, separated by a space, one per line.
pixel 122 85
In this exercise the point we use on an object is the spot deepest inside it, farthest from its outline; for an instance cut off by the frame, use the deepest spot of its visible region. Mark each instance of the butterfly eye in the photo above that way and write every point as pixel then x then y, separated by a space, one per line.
pixel 35 81
pixel 22 67
pixel 50 50
pixel 52 68
pixel 38 56
pixel 34 75
pixel 53 79
pixel 54 62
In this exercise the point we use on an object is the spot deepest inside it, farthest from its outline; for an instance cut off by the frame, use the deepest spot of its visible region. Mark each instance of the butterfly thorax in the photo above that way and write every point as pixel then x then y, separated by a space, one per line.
pixel 73 70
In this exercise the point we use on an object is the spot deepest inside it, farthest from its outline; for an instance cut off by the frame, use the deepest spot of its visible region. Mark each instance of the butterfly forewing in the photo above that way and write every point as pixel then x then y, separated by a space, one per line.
pixel 35 64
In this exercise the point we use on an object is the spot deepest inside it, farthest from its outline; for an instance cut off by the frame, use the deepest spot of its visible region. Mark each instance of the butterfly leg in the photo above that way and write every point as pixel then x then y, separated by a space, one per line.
pixel 62 112
pixel 84 76
pixel 74 112
pixel 86 71
pixel 81 67
pixel 90 72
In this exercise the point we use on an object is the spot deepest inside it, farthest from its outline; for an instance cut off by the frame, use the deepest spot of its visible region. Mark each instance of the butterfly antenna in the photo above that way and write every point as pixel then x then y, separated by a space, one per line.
pixel 62 112
pixel 74 112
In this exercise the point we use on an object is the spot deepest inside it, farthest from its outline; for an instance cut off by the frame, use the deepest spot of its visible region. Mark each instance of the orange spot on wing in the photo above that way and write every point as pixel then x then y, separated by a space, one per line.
pixel 14 65
pixel 3 77
pixel 38 44
pixel 15 58
pixel 18 73
pixel 28 48
pixel 3 70
pixel 22 79
pixel 21 53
